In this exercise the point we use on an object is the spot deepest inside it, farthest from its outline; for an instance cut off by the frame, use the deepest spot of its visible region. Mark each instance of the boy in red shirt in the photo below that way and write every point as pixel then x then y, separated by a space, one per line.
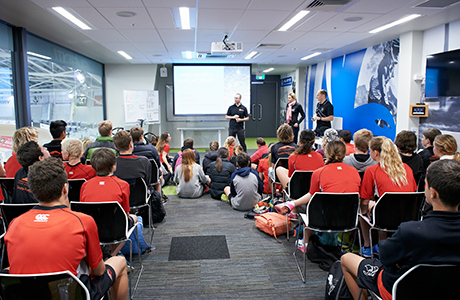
pixel 72 149
pixel 345 136
pixel 34 248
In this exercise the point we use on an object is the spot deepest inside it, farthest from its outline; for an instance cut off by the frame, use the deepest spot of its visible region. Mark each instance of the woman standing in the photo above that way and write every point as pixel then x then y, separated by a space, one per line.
pixel 293 109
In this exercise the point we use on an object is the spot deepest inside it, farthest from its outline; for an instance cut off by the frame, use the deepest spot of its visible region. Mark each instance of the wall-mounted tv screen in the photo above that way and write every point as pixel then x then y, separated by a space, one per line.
pixel 209 89
pixel 443 75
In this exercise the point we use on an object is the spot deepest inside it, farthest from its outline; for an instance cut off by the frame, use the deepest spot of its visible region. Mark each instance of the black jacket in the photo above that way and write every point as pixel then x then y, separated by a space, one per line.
pixel 209 157
pixel 296 110
pixel 220 180
pixel 149 151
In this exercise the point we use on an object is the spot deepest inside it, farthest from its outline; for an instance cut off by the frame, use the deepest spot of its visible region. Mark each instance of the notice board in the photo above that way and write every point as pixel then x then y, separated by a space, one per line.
pixel 141 105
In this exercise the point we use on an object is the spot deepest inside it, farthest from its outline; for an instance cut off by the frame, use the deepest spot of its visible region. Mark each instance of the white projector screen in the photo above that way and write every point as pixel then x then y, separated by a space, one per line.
pixel 210 89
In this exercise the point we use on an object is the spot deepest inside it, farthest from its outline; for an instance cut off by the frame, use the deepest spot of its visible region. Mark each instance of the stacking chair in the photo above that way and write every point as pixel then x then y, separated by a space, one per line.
pixel 44 286
pixel 329 212
pixel 88 162
pixel 7 185
pixel 74 189
pixel 139 199
pixel 298 186
pixel 281 162
pixel 155 173
pixel 394 208
pixel 112 225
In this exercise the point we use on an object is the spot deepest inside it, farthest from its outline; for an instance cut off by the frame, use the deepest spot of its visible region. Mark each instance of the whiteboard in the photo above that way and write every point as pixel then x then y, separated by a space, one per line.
pixel 141 105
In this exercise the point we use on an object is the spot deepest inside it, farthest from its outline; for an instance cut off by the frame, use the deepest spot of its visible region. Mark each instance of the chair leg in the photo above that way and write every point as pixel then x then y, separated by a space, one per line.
pixel 370 242
pixel 303 273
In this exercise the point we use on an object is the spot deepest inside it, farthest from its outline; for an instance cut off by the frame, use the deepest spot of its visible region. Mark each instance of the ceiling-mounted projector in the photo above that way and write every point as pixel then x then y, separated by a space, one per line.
pixel 224 48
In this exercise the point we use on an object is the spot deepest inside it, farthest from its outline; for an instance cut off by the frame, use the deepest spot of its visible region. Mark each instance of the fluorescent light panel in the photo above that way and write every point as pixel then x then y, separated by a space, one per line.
pixel 187 54
pixel 184 17
pixel 123 53
pixel 310 56
pixel 395 23
pixel 38 55
pixel 71 18
pixel 251 55
pixel 294 20
pixel 268 70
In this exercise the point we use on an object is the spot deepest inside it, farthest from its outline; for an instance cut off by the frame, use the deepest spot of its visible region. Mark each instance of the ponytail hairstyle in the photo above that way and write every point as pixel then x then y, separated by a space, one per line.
pixel 229 141
pixel 238 150
pixel 221 153
pixel 447 145
pixel 390 160
pixel 335 151
pixel 188 159
pixel 161 141
pixel 306 140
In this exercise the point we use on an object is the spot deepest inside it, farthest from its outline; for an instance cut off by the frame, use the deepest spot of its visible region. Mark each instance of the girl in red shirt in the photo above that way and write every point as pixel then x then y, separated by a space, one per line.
pixel 163 150
pixel 230 143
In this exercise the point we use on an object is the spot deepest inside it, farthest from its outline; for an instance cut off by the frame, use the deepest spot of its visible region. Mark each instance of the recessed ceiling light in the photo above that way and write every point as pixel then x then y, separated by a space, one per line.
pixel 123 53
pixel 353 19
pixel 294 20
pixel 187 54
pixel 268 70
pixel 310 56
pixel 38 55
pixel 395 23
pixel 451 62
pixel 251 55
pixel 184 17
pixel 125 14
pixel 63 12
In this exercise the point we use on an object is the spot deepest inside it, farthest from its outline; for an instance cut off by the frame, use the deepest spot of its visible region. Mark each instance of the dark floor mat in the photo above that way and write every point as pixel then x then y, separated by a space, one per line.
pixel 199 247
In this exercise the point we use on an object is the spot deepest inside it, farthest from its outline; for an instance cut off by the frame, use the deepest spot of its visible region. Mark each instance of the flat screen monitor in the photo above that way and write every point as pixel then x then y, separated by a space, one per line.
pixel 443 75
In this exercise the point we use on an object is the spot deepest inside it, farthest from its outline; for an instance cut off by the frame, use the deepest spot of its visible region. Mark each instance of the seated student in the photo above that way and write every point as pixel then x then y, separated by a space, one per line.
pixel 210 156
pixel 105 140
pixel 141 149
pixel 221 174
pixel 238 149
pixel 57 130
pixel 246 188
pixel 445 147
pixel 390 174
pixel 190 178
pixel 434 240
pixel 129 166
pixel 33 247
pixel 285 146
pixel 334 177
pixel 263 168
pixel 188 144
pixel 329 135
pixel 345 136
pixel 107 187
pixel 427 154
pixel 406 142
pixel 230 144
pixel 27 155
pixel 302 159
pixel 20 137
pixel 262 148
pixel 361 159
pixel 72 150
pixel 86 142
pixel 163 150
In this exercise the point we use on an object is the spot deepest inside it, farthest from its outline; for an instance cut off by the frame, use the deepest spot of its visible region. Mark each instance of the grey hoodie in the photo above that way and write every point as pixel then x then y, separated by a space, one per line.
pixel 360 166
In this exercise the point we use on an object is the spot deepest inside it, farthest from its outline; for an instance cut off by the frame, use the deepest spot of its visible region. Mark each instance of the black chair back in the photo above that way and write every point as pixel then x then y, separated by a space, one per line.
pixel 111 219
pixel 47 286
pixel 438 281
pixel 155 173
pixel 299 184
pixel 11 211
pixel 138 193
pixel 361 174
pixel 7 185
pixel 281 162
pixel 75 188
pixel 394 208
pixel 332 212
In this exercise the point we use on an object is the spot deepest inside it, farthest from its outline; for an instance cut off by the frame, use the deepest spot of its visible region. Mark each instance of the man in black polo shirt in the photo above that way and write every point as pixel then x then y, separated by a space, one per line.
pixel 237 114
pixel 324 113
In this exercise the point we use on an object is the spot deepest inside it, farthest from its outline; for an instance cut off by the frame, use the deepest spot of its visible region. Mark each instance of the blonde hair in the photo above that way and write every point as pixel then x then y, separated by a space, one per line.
pixel 390 160
pixel 188 159
pixel 238 149
pixel 86 142
pixel 24 135
pixel 447 145
pixel 229 141
pixel 73 146
pixel 293 96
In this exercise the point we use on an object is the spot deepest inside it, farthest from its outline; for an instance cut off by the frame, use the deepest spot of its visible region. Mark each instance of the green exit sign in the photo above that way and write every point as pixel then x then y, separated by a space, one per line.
pixel 260 77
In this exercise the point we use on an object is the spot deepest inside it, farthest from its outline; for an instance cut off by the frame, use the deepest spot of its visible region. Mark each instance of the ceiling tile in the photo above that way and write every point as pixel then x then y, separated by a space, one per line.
pixel 373 6
pixel 338 23
pixel 311 39
pixel 105 35
pixel 140 20
pixel 210 36
pixel 248 36
pixel 279 37
pixel 141 35
pixel 224 19
pixel 343 39
pixel 177 35
pixel 262 20
pixel 169 3
pixel 162 17
pixel 116 3
pixel 115 47
pixel 150 47
pixel 314 19
pixel 179 47
pixel 275 5
pixel 91 15
pixel 62 3
pixel 234 4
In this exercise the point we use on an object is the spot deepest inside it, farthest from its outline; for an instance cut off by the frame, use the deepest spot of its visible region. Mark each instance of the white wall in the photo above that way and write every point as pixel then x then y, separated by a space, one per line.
pixel 125 77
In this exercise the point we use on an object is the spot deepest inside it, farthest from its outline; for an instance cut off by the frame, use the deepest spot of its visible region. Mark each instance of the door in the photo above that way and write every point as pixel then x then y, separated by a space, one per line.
pixel 264 101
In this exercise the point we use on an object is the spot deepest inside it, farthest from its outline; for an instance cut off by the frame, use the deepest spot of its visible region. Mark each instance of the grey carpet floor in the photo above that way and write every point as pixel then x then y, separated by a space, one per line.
pixel 259 267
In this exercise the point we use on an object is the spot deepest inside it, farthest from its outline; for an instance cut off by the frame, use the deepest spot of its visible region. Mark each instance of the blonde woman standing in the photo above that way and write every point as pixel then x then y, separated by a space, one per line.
pixel 293 109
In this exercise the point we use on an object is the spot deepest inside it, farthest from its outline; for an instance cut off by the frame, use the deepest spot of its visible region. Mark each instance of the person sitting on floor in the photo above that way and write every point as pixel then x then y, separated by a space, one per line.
pixel 107 187
pixel 72 150
pixel 390 174
pixel 302 159
pixel 190 178
pixel 51 238
pixel 221 174
pixel 238 149
pixel 210 157
pixel 427 154
pixel 434 240
pixel 445 147
pixel 230 143
pixel 345 136
pixel 262 148
pixel 246 188
pixel 104 140
pixel 188 144
pixel 27 155
pixel 334 177
pixel 57 130
pixel 361 159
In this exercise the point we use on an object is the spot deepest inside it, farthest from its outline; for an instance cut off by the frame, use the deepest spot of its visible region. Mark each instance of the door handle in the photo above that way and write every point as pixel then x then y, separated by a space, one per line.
pixel 253 111
pixel 260 112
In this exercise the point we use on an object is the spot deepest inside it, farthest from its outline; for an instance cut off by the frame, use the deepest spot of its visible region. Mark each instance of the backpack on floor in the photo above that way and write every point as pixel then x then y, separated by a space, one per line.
pixel 156 206
pixel 336 287
pixel 272 223
pixel 324 255
pixel 134 236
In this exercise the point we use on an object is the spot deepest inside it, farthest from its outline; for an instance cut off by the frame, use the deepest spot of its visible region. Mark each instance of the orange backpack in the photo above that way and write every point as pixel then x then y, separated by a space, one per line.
pixel 272 223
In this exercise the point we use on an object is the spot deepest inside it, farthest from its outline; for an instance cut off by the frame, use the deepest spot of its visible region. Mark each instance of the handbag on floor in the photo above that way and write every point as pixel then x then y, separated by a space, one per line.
pixel 272 223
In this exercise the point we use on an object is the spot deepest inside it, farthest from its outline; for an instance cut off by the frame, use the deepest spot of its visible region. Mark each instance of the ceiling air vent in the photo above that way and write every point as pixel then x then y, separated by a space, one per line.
pixel 270 46
pixel 326 5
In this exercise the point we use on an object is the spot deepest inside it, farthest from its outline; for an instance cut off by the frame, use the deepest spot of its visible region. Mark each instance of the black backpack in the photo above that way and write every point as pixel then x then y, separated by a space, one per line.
pixel 156 205
pixel 324 255
pixel 336 287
